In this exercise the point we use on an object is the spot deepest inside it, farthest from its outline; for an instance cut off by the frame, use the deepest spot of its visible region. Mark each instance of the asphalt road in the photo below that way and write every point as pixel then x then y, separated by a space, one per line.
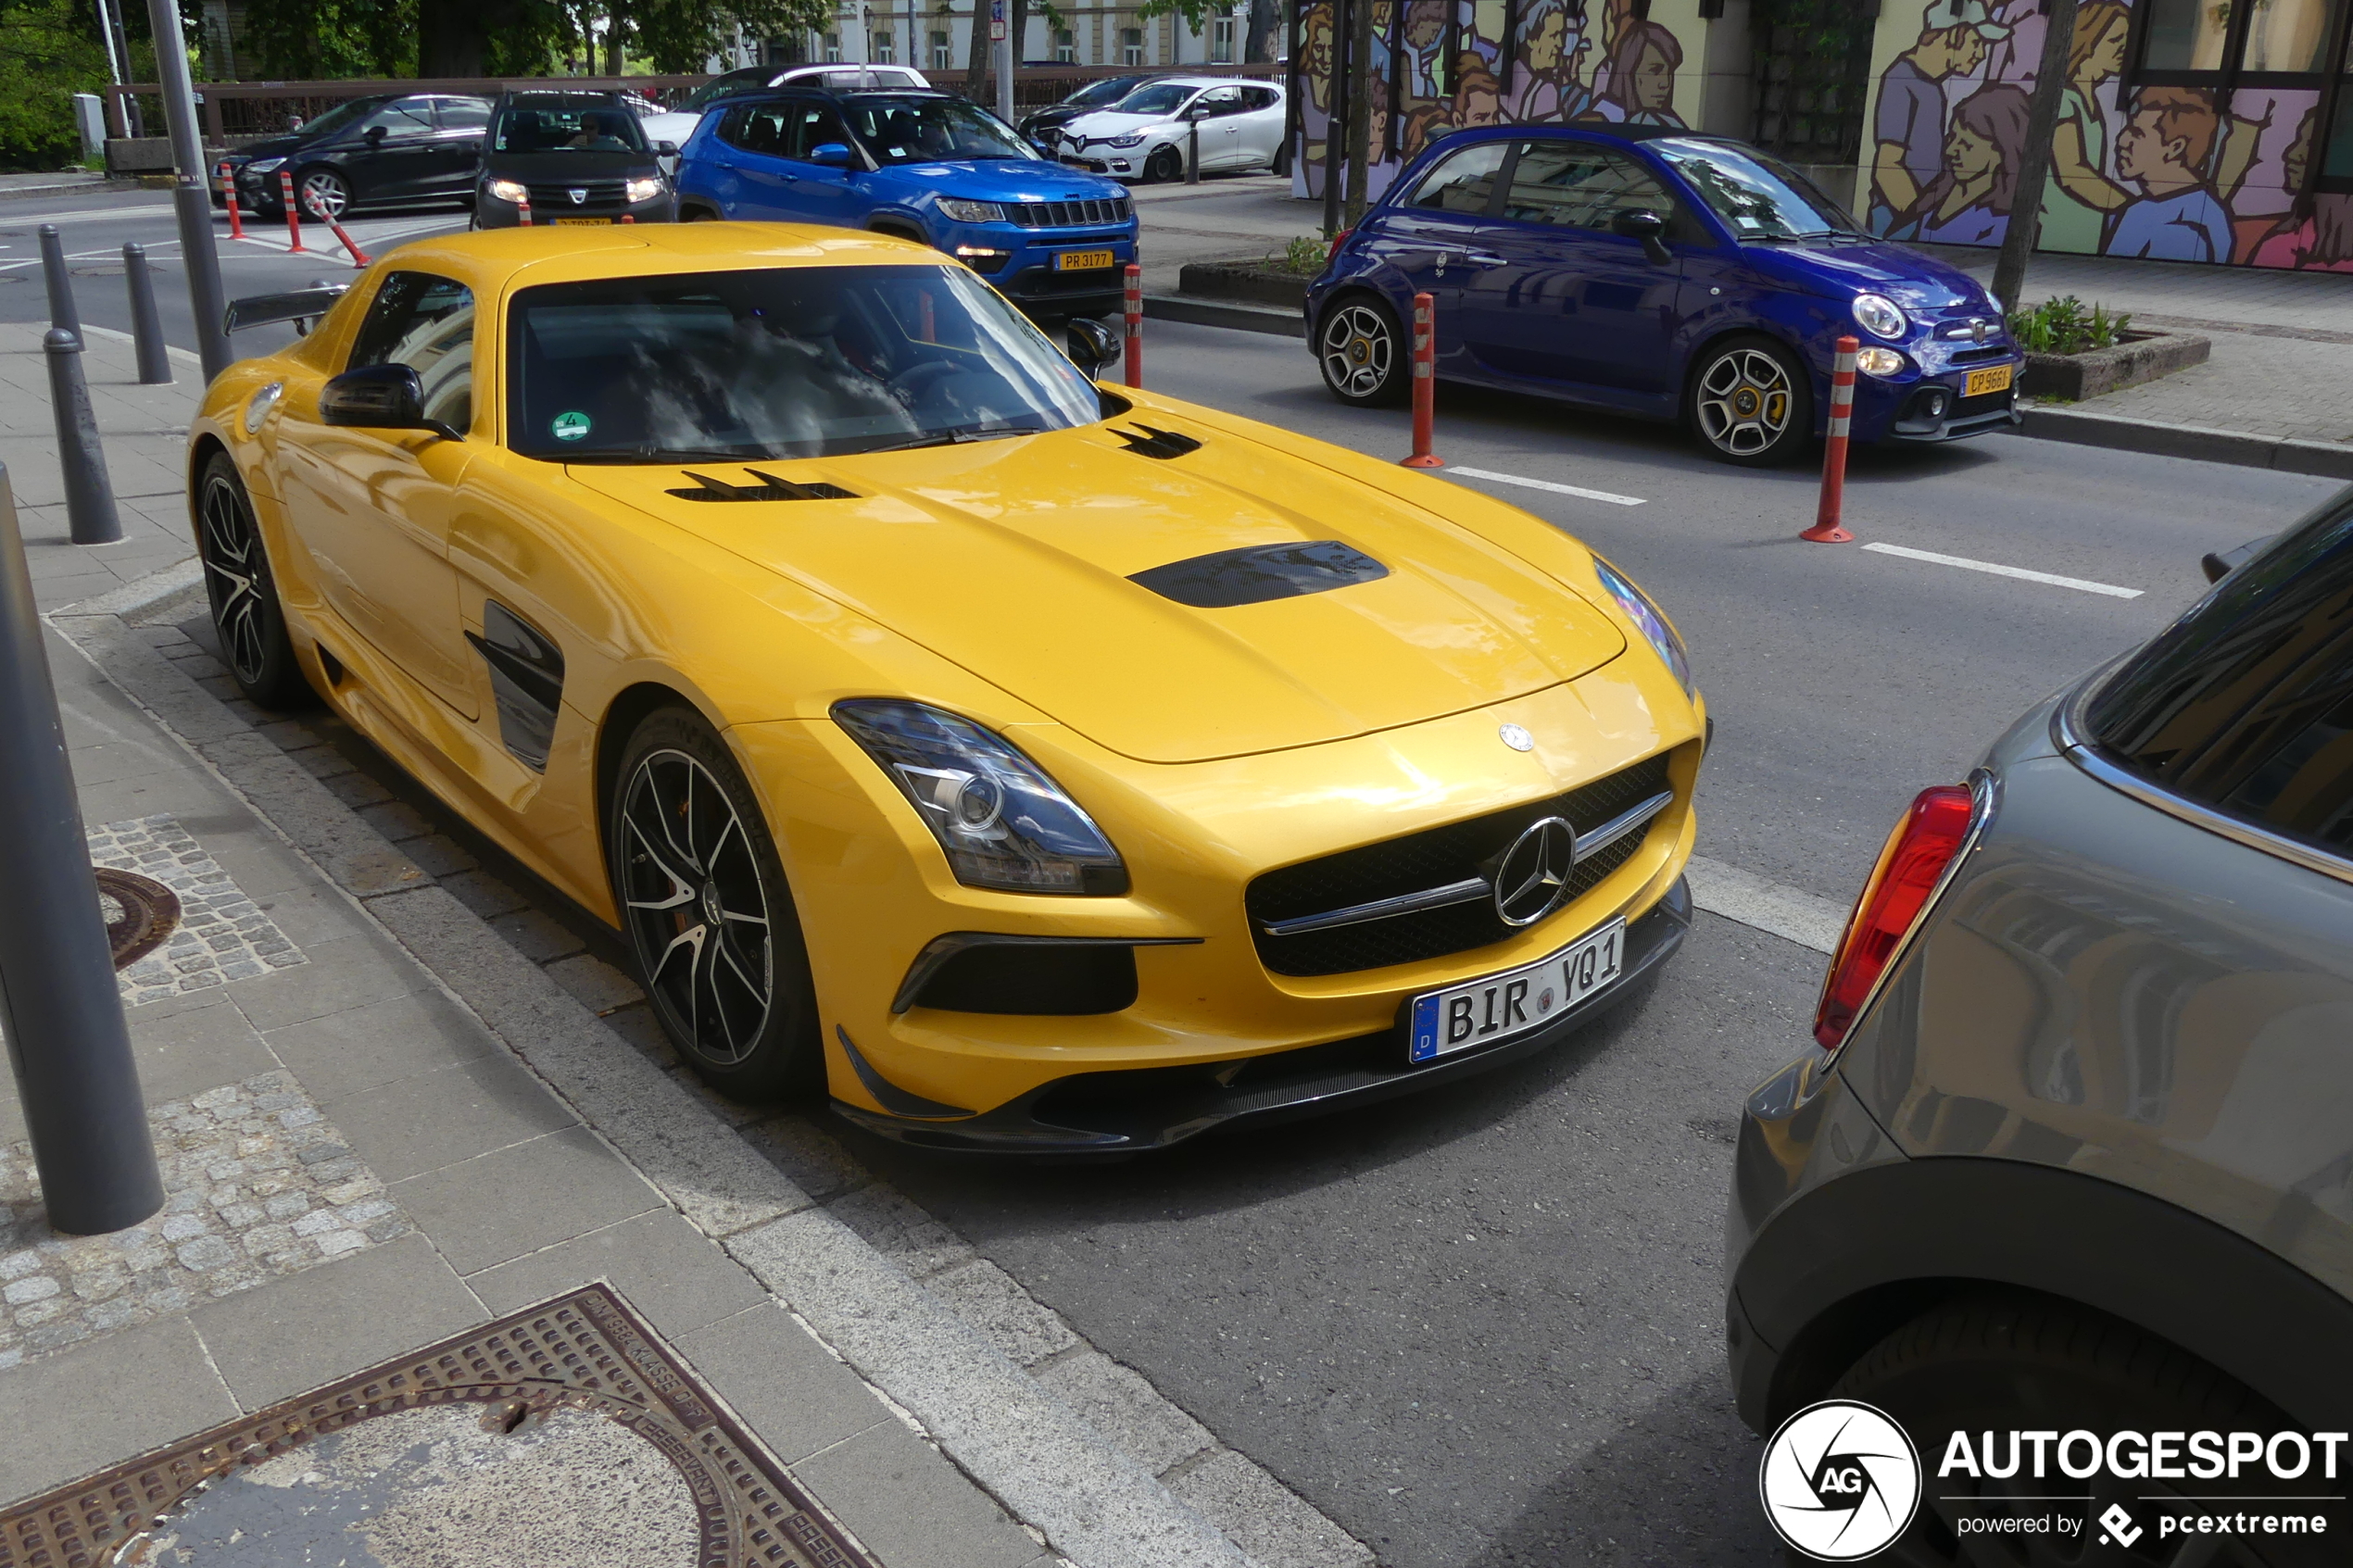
pixel 1484 1327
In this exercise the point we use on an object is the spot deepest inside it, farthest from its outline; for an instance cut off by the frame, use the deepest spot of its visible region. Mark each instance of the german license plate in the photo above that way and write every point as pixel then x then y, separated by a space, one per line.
pixel 1081 261
pixel 1979 383
pixel 580 223
pixel 1489 1012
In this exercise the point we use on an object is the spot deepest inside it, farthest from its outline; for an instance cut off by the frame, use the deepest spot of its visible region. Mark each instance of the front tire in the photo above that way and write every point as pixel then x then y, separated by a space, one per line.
pixel 1751 402
pixel 247 615
pixel 709 919
pixel 1163 167
pixel 1360 351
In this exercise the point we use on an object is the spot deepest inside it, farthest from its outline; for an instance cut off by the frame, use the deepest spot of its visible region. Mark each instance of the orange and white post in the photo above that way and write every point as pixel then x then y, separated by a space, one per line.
pixel 1826 529
pixel 1135 307
pixel 319 211
pixel 294 213
pixel 1425 384
pixel 522 209
pixel 228 191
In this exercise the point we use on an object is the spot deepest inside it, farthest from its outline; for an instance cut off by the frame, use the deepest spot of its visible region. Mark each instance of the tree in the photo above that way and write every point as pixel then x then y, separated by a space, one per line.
pixel 49 50
pixel 315 39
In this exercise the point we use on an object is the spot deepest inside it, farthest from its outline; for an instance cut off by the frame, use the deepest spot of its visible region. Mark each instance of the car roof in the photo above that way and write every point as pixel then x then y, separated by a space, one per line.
pixel 539 97
pixel 490 260
pixel 1173 80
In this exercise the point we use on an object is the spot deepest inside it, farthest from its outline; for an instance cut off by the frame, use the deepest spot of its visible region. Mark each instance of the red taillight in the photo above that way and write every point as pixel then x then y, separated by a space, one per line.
pixel 1338 240
pixel 1923 843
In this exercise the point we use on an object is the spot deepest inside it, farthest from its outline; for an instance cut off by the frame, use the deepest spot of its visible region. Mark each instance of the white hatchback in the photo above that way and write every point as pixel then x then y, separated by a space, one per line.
pixel 1148 134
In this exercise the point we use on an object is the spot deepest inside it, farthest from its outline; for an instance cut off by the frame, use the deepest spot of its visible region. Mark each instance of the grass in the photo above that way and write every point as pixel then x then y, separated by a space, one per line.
pixel 1302 257
pixel 2063 326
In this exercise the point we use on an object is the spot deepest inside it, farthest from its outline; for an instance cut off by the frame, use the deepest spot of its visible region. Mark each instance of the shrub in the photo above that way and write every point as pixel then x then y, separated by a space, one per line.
pixel 1303 256
pixel 2063 326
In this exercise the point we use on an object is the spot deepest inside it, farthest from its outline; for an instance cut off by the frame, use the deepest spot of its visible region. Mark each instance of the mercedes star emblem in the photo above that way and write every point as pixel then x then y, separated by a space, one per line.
pixel 1516 738
pixel 1532 878
pixel 577 195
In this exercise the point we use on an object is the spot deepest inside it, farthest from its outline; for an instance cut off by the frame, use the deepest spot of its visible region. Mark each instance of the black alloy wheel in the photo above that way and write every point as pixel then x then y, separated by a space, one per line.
pixel 1752 401
pixel 246 613
pixel 1988 1365
pixel 321 191
pixel 1360 351
pixel 1165 165
pixel 702 896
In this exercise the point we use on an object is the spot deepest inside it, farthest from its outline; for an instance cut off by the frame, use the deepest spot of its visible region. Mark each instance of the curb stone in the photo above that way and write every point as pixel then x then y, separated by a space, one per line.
pixel 966 1393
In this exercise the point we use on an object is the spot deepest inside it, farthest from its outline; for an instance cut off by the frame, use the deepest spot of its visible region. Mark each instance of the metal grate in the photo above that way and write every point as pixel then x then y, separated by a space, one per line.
pixel 1432 858
pixel 556 200
pixel 1070 215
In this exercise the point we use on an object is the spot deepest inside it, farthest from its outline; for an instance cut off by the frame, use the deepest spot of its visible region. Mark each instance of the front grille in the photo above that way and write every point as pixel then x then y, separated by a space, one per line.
pixel 1432 858
pixel 1983 403
pixel 1069 215
pixel 1966 356
pixel 556 200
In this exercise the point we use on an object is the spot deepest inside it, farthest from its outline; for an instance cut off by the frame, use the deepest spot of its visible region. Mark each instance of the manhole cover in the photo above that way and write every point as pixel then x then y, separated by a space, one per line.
pixel 567 1432
pixel 141 914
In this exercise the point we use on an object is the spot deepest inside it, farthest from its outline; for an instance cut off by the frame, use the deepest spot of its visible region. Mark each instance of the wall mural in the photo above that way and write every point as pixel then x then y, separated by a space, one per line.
pixel 2180 173
pixel 1590 61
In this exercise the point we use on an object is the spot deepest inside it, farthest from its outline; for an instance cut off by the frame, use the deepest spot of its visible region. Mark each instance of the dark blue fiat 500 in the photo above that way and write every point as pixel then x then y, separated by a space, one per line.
pixel 1661 274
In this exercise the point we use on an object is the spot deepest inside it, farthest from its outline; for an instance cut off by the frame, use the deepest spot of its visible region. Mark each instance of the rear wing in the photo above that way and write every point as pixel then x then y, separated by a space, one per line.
pixel 302 307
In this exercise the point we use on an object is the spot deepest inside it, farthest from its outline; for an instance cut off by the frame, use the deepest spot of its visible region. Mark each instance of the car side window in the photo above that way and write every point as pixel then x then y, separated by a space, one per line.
pixel 1220 101
pixel 401 118
pixel 814 125
pixel 1462 182
pixel 1261 97
pixel 759 128
pixel 461 114
pixel 1577 185
pixel 2246 704
pixel 427 323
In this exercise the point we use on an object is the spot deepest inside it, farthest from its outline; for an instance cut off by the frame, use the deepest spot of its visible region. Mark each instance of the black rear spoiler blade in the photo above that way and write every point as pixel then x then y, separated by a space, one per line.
pixel 266 309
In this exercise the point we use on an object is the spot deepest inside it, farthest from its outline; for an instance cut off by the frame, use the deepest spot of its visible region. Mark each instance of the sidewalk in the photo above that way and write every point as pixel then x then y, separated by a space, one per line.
pixel 397 1102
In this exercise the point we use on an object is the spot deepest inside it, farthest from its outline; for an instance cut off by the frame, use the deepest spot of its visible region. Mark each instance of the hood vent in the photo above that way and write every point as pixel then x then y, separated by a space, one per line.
pixel 770 488
pixel 1151 443
pixel 1253 576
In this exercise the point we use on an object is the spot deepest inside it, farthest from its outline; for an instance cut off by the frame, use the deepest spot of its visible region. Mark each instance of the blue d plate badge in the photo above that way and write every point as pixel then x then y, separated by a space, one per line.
pixel 1489 1012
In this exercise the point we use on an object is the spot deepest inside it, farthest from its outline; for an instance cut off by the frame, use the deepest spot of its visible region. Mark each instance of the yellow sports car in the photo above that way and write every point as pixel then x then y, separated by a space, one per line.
pixel 1039 765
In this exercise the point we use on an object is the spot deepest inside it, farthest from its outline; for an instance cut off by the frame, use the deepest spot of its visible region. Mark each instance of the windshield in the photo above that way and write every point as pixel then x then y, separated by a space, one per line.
pixel 1095 94
pixel 1758 195
pixel 595 126
pixel 341 116
pixel 792 362
pixel 1156 97
pixel 718 87
pixel 930 130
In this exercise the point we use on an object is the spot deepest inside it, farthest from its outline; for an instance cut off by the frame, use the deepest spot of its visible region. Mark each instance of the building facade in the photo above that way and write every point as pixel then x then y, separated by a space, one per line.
pixel 936 35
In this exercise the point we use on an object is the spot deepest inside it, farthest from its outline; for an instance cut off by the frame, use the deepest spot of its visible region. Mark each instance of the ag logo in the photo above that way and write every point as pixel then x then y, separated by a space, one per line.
pixel 1839 1481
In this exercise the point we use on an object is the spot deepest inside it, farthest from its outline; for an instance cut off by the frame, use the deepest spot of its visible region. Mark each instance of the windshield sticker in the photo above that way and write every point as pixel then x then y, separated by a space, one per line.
pixel 571 427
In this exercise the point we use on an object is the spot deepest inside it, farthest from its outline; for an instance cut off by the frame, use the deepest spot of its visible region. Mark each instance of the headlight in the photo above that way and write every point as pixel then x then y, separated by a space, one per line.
pixel 1135 141
pixel 971 212
pixel 1878 316
pixel 263 164
pixel 510 190
pixel 642 190
pixel 1003 822
pixel 1878 362
pixel 1644 614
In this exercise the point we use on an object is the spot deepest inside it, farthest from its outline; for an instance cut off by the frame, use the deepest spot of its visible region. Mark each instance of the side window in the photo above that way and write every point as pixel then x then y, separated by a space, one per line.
pixel 426 323
pixel 461 114
pixel 1575 185
pixel 814 125
pixel 1261 97
pixel 2246 704
pixel 1462 182
pixel 401 118
pixel 759 128
pixel 1220 101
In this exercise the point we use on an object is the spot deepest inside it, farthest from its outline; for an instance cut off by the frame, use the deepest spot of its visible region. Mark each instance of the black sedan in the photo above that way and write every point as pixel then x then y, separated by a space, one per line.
pixel 571 158
pixel 1098 94
pixel 368 152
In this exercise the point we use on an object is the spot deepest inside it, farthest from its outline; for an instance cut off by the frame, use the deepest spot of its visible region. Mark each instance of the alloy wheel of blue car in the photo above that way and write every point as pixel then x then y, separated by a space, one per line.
pixel 1751 403
pixel 1359 352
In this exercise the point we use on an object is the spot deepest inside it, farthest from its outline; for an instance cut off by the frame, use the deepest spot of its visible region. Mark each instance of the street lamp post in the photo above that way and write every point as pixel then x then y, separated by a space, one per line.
pixel 191 198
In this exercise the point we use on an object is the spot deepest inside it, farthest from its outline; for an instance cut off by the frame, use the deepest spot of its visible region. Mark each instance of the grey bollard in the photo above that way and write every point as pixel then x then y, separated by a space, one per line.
pixel 90 511
pixel 59 1008
pixel 52 272
pixel 147 326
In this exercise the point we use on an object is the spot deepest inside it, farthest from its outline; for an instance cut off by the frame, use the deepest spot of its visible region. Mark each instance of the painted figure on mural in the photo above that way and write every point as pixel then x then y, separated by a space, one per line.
pixel 1616 16
pixel 1426 47
pixel 1641 77
pixel 2321 242
pixel 1969 201
pixel 1315 57
pixel 2163 149
pixel 1553 45
pixel 1425 123
pixel 1907 132
pixel 2079 195
pixel 1479 97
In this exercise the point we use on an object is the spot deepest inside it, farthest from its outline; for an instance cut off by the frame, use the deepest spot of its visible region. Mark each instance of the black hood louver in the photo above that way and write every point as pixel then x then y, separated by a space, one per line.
pixel 770 488
pixel 1151 443
pixel 1230 578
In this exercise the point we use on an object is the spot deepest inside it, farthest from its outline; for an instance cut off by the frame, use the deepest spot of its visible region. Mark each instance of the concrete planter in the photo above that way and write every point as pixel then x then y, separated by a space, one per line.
pixel 2141 356
pixel 1253 281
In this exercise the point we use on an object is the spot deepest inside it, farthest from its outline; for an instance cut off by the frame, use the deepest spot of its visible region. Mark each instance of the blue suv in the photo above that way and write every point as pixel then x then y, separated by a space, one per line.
pixel 1662 274
pixel 924 166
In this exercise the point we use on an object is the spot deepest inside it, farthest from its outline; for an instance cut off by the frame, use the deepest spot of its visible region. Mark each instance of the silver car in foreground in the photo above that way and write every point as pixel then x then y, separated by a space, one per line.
pixel 2072 1170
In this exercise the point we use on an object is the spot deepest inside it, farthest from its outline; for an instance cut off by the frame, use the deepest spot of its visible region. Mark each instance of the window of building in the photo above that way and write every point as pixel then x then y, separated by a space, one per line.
pixel 833 48
pixel 1221 40
pixel 885 49
pixel 1065 45
pixel 938 50
pixel 1131 46
pixel 2223 44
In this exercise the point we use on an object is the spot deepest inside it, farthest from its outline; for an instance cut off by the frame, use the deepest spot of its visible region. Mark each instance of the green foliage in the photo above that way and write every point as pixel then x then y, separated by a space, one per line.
pixel 679 35
pixel 1304 257
pixel 2063 326
pixel 315 39
pixel 49 50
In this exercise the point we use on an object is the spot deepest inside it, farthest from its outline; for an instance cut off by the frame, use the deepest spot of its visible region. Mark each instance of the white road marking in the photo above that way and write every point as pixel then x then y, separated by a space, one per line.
pixel 91 215
pixel 1579 491
pixel 2078 583
pixel 1787 912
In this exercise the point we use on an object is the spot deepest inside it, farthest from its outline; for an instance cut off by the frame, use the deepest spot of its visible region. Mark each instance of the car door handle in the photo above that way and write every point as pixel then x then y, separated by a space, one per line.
pixel 1479 259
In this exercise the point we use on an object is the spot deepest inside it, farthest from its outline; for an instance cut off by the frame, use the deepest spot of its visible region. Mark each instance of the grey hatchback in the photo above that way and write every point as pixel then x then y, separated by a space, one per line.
pixel 2072 1173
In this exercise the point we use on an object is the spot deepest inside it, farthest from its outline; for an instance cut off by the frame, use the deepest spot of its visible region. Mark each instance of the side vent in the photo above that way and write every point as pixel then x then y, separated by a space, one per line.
pixel 770 488
pixel 1164 443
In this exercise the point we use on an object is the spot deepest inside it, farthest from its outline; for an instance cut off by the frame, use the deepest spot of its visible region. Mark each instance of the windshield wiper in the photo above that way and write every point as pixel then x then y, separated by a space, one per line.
pixel 669 455
pixel 949 438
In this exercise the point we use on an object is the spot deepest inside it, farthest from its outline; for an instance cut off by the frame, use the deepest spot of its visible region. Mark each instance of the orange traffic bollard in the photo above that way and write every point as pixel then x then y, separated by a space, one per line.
pixel 294 213
pixel 229 189
pixel 629 217
pixel 1425 385
pixel 319 211
pixel 1826 529
pixel 1135 277
pixel 522 206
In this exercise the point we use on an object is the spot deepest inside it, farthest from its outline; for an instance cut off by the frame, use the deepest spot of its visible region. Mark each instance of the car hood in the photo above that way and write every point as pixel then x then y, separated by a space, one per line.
pixel 1104 122
pixel 1011 180
pixel 1841 266
pixel 549 169
pixel 1014 560
pixel 270 147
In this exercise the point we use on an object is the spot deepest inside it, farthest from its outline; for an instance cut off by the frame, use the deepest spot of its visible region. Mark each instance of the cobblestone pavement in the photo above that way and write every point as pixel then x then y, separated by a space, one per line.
pixel 259 1185
pixel 223 935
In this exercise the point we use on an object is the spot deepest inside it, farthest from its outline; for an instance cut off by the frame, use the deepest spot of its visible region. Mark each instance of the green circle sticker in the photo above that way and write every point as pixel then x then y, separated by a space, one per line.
pixel 571 427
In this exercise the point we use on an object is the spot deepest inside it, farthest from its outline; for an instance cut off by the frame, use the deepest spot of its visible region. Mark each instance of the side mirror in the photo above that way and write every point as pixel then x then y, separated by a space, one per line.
pixel 1647 227
pixel 375 134
pixel 1090 345
pixel 379 397
pixel 2218 564
pixel 666 149
pixel 833 155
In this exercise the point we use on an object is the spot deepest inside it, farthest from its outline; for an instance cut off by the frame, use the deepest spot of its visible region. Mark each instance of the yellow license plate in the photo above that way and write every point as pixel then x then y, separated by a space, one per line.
pixel 1979 383
pixel 579 222
pixel 1081 261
